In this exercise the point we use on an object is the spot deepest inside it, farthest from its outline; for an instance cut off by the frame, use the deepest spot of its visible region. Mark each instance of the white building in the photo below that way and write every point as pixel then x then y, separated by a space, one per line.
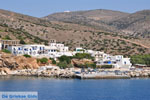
pixel 117 61
pixel 80 50
pixel 54 50
pixel 33 50
pixel 98 55
pixel 60 47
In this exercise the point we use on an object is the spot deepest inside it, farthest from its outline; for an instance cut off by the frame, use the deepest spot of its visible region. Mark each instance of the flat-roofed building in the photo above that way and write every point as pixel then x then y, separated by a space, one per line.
pixel 7 43
pixel 33 50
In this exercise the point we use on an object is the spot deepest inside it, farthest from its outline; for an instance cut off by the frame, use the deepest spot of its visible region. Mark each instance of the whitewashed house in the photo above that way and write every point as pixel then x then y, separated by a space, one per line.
pixel 54 50
pixel 80 50
pixel 98 55
pixel 117 61
pixel 61 50
pixel 51 51
pixel 33 50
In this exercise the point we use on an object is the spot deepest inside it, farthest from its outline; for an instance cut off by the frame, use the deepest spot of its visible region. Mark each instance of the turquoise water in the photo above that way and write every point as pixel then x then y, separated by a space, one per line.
pixel 73 89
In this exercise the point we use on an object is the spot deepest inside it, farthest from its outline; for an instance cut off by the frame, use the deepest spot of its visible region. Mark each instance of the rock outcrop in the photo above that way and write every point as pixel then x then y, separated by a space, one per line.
pixel 17 62
pixel 26 63
pixel 79 62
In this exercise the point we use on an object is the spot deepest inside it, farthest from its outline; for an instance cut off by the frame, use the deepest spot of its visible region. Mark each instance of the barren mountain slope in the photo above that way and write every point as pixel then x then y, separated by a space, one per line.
pixel 95 18
pixel 36 30
pixel 136 24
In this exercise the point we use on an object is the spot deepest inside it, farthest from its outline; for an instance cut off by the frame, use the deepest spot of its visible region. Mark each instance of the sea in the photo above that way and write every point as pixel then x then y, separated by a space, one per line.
pixel 76 89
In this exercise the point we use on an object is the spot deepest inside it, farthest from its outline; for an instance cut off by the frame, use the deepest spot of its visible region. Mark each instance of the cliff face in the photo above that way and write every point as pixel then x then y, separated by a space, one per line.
pixel 17 62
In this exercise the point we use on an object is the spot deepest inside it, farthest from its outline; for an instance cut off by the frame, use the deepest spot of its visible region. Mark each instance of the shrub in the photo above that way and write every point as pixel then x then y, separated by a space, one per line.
pixel 27 56
pixel 65 59
pixel 7 37
pixel 53 60
pixel 43 60
pixel 141 59
pixel 92 65
pixel 22 42
pixel 62 65
pixel 83 55
pixel 6 51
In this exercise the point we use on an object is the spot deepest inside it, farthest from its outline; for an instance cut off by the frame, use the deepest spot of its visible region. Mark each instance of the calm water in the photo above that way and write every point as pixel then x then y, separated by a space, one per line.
pixel 55 89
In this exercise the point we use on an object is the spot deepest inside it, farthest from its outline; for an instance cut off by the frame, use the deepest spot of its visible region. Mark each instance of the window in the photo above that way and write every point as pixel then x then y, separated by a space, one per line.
pixel 25 49
pixel 125 62
pixel 33 48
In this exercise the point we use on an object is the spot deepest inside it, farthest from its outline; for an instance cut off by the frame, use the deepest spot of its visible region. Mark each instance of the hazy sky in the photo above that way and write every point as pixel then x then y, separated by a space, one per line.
pixel 40 8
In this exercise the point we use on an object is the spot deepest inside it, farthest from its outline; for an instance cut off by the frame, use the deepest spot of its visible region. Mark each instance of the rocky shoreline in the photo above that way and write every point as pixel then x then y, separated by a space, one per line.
pixel 22 66
pixel 56 72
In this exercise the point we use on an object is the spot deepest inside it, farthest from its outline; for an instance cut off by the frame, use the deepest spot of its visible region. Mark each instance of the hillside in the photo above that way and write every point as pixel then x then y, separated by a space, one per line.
pixel 95 18
pixel 136 24
pixel 36 30
pixel 99 14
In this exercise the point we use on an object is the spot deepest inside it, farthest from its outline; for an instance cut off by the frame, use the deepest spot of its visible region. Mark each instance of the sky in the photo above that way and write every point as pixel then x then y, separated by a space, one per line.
pixel 41 8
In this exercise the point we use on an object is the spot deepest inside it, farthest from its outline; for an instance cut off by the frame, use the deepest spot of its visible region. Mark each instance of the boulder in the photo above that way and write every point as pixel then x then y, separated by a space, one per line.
pixel 5 71
pixel 26 63
pixel 78 62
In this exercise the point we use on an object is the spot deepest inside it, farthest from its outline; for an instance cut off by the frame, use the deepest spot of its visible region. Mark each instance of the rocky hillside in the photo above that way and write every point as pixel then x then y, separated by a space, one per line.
pixel 36 30
pixel 136 24
pixel 90 15
pixel 95 18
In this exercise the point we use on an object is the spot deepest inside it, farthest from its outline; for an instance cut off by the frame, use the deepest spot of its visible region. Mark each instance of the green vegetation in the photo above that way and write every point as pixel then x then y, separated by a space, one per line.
pixel 43 60
pixel 6 51
pixel 141 59
pixel 22 34
pixel 27 56
pixel 82 56
pixel 22 42
pixel 53 60
pixel 63 64
pixel 65 59
pixel 91 65
pixel 88 65
pixel 7 37
pixel 106 66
